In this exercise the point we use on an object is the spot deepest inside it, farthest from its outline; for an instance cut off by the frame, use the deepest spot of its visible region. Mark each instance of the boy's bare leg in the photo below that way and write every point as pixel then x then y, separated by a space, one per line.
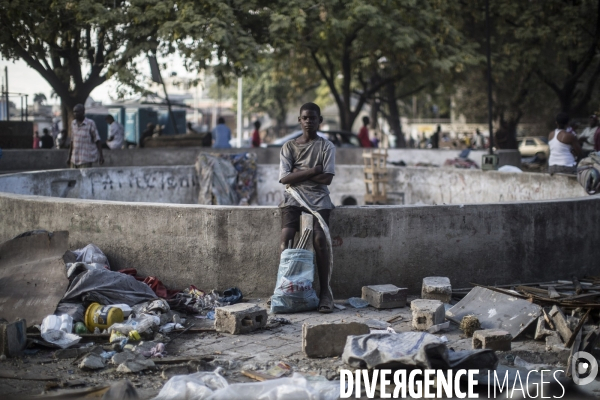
pixel 324 270
pixel 287 234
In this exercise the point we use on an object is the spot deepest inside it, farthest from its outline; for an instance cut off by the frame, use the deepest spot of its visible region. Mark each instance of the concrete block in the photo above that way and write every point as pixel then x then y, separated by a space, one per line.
pixel 240 318
pixel 13 337
pixel 328 340
pixel 436 288
pixel 561 324
pixel 494 339
pixel 385 296
pixel 426 313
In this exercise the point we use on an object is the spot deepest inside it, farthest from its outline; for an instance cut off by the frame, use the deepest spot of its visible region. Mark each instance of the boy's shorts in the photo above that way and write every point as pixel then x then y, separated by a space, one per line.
pixel 290 218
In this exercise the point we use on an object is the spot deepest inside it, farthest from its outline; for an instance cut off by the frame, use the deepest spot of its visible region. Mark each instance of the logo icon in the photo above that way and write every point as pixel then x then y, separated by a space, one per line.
pixel 584 368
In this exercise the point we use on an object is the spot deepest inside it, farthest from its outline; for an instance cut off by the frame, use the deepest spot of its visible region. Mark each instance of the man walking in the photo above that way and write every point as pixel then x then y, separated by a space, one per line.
pixel 116 133
pixel 307 164
pixel 85 142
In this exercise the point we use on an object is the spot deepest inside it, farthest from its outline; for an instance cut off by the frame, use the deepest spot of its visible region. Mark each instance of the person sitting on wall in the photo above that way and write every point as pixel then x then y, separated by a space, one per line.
pixel 564 147
pixel 148 132
pixel 86 147
pixel 46 141
pixel 116 133
pixel 307 164
pixel 221 135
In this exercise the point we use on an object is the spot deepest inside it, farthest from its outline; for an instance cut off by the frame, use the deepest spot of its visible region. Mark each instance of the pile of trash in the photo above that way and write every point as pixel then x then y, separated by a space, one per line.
pixel 80 297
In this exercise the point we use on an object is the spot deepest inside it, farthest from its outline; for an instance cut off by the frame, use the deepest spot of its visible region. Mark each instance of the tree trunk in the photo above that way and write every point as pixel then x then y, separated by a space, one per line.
pixel 506 136
pixel 394 115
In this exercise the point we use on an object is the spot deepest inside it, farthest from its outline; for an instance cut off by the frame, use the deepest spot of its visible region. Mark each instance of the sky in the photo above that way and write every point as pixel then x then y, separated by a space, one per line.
pixel 23 79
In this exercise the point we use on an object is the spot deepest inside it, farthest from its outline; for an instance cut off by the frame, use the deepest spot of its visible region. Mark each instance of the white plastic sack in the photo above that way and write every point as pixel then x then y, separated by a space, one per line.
pixel 196 386
pixel 294 290
pixel 57 330
pixel 212 386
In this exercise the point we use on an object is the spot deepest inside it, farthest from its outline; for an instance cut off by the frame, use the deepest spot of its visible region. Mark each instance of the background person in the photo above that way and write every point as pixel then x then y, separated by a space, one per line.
pixel 46 141
pixel 116 133
pixel 256 134
pixel 586 138
pixel 221 135
pixel 363 134
pixel 563 148
pixel 36 140
pixel 86 147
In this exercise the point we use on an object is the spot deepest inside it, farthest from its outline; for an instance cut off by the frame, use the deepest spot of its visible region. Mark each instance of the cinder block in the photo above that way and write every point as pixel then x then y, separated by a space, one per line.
pixel 436 288
pixel 240 318
pixel 13 337
pixel 426 313
pixel 385 296
pixel 329 340
pixel 494 339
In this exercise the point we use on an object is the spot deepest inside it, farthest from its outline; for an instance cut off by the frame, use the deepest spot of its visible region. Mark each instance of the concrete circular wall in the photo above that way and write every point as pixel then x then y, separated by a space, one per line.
pixel 532 238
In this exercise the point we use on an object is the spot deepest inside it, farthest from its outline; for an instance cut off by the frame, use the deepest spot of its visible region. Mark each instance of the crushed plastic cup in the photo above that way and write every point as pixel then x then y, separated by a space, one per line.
pixel 357 302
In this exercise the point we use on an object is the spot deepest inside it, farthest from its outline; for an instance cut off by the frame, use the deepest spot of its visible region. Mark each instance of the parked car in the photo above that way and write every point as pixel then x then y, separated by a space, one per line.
pixel 534 146
pixel 339 138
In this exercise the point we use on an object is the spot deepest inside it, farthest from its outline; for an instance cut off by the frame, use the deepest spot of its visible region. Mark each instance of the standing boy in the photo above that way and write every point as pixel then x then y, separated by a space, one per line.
pixel 307 164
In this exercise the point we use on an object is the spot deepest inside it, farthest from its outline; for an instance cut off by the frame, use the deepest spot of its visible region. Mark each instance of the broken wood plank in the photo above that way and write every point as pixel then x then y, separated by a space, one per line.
pixel 552 293
pixel 560 321
pixel 180 360
pixel 589 341
pixel 574 350
pixel 577 329
pixel 548 320
pixel 394 318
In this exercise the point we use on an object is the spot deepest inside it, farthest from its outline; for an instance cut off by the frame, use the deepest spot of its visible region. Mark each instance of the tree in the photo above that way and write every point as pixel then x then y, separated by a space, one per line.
pixel 39 98
pixel 347 40
pixel 77 45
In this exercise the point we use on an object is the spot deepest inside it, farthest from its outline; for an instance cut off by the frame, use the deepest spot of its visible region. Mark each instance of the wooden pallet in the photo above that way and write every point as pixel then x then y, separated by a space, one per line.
pixel 375 170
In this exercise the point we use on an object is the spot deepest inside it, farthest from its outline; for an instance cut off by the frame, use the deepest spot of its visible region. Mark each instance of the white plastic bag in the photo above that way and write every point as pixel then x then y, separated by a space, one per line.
pixel 294 290
pixel 57 330
pixel 196 386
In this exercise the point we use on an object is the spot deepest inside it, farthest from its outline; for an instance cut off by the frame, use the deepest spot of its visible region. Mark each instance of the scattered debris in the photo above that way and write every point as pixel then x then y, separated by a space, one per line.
pixel 426 313
pixel 92 361
pixel 357 302
pixel 140 363
pixel 494 339
pixel 437 288
pixel 469 324
pixel 438 327
pixel 495 310
pixel 385 296
pixel 240 318
pixel 275 372
pixel 328 340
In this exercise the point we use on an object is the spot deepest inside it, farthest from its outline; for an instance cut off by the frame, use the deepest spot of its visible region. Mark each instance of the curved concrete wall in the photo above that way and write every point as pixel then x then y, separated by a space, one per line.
pixel 220 247
pixel 407 185
pixel 35 160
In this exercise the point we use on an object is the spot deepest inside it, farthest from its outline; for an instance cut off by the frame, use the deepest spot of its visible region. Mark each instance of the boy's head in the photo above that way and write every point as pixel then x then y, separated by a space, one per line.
pixel 310 117
pixel 366 120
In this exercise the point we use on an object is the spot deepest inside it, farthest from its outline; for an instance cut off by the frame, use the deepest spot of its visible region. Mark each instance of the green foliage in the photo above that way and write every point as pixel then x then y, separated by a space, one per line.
pixel 349 43
pixel 78 45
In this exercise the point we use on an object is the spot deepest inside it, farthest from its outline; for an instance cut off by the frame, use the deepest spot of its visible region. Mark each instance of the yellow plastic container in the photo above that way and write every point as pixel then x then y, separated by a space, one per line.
pixel 102 317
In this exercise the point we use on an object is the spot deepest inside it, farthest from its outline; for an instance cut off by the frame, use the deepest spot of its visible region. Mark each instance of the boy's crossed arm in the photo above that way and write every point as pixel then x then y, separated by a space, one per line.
pixel 314 174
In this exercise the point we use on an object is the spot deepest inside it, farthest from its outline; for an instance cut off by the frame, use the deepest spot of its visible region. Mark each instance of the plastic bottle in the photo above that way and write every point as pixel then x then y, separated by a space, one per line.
pixel 81 329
